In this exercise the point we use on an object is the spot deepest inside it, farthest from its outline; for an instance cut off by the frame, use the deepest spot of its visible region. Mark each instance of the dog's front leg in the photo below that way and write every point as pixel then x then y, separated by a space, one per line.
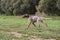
pixel 28 25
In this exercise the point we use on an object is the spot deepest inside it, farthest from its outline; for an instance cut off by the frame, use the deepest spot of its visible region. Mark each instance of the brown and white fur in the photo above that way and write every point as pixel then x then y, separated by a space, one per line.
pixel 33 19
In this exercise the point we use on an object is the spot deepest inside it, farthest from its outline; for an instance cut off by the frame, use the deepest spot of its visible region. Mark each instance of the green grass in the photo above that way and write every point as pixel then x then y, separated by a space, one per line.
pixel 16 23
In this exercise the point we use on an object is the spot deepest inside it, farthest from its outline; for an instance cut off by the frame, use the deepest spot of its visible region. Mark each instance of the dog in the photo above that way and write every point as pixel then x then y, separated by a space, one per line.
pixel 33 19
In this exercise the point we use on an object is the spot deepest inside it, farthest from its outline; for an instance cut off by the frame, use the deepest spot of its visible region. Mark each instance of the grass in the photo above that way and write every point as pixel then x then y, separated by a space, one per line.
pixel 16 23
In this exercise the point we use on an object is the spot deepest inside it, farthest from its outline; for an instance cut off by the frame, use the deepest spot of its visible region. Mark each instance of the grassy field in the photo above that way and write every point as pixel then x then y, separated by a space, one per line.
pixel 18 24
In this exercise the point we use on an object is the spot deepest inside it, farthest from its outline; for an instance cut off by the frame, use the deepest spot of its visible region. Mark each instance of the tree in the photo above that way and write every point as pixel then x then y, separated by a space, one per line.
pixel 17 7
pixel 48 6
pixel 24 6
pixel 58 4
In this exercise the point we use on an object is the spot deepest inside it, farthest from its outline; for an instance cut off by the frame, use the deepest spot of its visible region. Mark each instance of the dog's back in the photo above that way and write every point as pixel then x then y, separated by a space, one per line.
pixel 35 18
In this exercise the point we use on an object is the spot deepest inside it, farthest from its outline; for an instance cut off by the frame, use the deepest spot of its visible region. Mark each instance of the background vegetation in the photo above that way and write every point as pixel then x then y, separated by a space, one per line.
pixel 17 7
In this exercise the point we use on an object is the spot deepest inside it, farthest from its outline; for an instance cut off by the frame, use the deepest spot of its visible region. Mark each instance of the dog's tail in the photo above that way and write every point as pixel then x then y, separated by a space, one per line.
pixel 46 18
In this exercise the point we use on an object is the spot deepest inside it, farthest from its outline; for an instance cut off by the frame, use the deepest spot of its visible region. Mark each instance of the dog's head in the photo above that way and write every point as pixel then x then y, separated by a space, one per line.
pixel 25 16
